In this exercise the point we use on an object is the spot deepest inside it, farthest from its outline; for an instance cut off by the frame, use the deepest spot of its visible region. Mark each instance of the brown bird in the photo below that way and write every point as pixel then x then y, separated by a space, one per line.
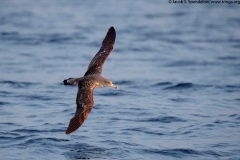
pixel 91 79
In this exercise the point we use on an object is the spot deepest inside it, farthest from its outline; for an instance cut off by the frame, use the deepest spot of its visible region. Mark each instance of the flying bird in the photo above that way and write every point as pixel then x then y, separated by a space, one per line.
pixel 92 78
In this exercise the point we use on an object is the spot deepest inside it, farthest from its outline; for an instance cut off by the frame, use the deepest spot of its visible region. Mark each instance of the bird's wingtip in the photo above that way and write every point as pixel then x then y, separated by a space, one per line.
pixel 109 39
pixel 73 125
pixel 112 29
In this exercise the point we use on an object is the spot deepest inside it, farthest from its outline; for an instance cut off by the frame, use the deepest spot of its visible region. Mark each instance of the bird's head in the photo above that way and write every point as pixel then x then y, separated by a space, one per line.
pixel 108 83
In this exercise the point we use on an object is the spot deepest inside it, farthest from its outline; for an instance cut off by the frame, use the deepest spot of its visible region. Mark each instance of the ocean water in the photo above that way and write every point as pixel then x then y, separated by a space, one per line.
pixel 177 67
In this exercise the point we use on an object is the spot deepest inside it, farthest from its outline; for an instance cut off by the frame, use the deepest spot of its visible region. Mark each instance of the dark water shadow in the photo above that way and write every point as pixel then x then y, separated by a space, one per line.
pixel 85 151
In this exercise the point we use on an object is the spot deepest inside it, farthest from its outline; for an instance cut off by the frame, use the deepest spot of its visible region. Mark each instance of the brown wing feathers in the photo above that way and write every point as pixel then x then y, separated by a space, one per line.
pixel 95 66
pixel 77 121
pixel 84 103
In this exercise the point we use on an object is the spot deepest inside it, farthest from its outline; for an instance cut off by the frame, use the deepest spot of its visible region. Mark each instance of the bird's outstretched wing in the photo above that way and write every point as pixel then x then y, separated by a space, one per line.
pixel 84 102
pixel 95 66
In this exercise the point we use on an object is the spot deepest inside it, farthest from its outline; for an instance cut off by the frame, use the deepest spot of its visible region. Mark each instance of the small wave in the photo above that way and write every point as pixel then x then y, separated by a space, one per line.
pixel 110 94
pixel 221 121
pixel 180 86
pixel 27 131
pixel 182 152
pixel 174 41
pixel 143 130
pixel 182 63
pixel 229 88
pixel 179 153
pixel 3 103
pixel 167 119
pixel 200 115
pixel 179 99
pixel 186 63
pixel 235 116
pixel 35 97
pixel 44 140
pixel 19 84
pixel 15 138
pixel 229 58
pixel 39 97
pixel 9 124
pixel 33 131
pixel 123 82
pixel 233 86
pixel 141 49
pixel 37 39
pixel 5 93
pixel 237 99
pixel 162 84
pixel 209 126
pixel 9 33
pixel 112 142
pixel 85 151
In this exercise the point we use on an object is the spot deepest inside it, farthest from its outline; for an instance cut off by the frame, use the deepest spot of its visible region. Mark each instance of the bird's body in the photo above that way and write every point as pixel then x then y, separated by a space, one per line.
pixel 89 81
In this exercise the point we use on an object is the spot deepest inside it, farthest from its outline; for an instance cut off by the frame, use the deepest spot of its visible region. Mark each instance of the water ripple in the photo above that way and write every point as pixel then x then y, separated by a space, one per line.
pixel 86 151
pixel 38 39
pixel 165 119
pixel 3 103
pixel 18 84
pixel 180 86
pixel 162 84
pixel 182 152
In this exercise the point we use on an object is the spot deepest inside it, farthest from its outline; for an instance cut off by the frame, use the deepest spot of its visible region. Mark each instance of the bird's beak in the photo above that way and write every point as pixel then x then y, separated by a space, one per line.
pixel 114 87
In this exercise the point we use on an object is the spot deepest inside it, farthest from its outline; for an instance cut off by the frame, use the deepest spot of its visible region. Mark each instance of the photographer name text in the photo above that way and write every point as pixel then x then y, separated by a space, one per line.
pixel 204 1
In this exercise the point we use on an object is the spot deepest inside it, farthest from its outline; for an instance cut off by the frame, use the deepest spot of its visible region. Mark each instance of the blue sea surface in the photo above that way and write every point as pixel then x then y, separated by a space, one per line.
pixel 177 67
